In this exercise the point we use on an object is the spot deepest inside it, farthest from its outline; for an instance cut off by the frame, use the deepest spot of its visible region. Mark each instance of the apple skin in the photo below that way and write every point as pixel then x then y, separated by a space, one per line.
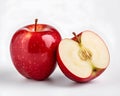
pixel 34 53
pixel 72 76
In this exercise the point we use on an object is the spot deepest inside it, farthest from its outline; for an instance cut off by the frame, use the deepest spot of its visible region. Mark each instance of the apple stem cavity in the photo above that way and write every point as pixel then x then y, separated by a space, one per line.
pixel 36 20
pixel 78 40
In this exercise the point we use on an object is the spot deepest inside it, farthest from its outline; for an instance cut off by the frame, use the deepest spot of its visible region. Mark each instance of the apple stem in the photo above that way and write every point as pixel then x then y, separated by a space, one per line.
pixel 78 40
pixel 36 20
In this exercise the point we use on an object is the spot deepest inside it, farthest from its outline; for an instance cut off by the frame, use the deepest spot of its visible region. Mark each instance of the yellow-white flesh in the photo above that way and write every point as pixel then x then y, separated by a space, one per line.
pixel 100 54
pixel 69 51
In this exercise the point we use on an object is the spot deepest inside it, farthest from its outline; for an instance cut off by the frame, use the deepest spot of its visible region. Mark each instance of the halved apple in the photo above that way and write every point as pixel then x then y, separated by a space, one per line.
pixel 83 57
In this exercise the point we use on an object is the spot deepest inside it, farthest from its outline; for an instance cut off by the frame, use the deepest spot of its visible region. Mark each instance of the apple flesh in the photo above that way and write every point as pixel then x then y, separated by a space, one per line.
pixel 33 50
pixel 84 57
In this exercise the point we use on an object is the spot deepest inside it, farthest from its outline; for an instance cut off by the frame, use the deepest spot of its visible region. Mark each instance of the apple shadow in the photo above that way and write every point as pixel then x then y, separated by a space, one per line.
pixel 56 80
pixel 59 80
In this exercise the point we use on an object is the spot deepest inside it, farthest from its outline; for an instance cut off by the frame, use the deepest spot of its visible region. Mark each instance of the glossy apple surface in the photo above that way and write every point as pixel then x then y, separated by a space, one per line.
pixel 33 50
pixel 84 57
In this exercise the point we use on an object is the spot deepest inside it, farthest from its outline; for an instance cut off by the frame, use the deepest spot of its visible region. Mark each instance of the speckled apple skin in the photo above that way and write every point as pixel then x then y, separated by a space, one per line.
pixel 34 53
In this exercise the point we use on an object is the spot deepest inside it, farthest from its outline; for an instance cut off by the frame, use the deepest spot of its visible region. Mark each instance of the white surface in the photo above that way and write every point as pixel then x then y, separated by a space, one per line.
pixel 67 16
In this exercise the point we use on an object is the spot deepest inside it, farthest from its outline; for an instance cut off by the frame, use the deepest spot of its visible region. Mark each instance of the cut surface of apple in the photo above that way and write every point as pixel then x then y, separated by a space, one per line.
pixel 85 56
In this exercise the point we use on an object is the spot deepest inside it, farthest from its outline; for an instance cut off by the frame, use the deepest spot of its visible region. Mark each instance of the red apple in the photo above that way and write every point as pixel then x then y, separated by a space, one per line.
pixel 33 50
pixel 84 57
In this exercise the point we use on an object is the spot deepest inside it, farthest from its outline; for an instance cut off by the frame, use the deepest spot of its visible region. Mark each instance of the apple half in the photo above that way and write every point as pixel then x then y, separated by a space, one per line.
pixel 83 57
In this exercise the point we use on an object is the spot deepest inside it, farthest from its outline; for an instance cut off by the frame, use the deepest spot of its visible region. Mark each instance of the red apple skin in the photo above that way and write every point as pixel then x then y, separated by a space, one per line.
pixel 34 53
pixel 72 76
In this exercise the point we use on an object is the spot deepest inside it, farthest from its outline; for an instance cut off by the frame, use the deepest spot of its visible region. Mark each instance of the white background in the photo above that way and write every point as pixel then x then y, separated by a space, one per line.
pixel 101 16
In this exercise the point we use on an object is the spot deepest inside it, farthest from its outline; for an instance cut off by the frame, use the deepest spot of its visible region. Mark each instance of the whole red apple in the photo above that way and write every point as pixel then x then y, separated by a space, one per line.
pixel 33 50
pixel 84 57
